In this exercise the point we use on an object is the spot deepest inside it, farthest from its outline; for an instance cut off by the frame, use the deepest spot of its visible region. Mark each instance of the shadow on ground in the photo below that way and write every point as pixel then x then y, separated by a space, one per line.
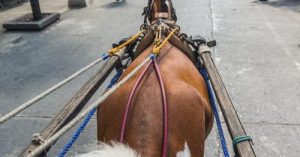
pixel 115 4
pixel 289 4
pixel 9 4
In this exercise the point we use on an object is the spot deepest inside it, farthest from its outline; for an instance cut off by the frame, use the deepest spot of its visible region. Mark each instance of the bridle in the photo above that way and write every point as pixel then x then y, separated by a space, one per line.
pixel 148 11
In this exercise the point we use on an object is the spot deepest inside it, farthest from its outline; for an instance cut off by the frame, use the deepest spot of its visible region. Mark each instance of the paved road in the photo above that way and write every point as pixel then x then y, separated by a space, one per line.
pixel 257 55
pixel 15 10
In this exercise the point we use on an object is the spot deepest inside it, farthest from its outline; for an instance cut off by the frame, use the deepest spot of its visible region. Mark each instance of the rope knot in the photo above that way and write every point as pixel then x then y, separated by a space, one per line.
pixel 37 139
pixel 113 51
pixel 159 44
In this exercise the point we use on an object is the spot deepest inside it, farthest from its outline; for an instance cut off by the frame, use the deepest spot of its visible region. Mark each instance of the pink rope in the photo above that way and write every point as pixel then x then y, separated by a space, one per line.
pixel 125 114
pixel 165 109
pixel 165 105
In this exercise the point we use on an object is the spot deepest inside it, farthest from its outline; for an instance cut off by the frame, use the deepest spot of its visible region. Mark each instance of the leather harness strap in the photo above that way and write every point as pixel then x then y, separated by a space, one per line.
pixel 144 44
pixel 184 47
pixel 174 40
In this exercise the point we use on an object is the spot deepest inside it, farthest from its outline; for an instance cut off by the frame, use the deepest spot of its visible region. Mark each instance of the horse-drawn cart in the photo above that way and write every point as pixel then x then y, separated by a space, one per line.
pixel 159 29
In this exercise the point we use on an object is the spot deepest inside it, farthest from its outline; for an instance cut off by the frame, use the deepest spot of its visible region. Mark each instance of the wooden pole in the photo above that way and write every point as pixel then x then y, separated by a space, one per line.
pixel 75 105
pixel 235 127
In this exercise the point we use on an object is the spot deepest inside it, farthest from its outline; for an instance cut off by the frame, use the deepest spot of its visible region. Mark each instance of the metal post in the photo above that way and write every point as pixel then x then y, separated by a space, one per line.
pixel 36 10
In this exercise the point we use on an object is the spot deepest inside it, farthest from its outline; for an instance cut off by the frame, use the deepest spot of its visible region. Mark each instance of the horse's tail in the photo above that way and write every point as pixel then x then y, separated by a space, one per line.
pixel 116 149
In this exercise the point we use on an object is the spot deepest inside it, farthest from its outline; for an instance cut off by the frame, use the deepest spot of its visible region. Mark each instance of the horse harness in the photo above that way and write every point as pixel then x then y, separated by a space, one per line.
pixel 159 34
pixel 188 45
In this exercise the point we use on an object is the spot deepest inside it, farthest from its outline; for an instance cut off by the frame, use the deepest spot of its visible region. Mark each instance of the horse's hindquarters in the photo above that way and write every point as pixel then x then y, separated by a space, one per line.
pixel 189 113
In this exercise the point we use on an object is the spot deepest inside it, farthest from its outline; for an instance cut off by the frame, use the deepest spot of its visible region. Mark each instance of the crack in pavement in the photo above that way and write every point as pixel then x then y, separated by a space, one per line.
pixel 268 123
pixel 35 117
pixel 211 17
pixel 273 123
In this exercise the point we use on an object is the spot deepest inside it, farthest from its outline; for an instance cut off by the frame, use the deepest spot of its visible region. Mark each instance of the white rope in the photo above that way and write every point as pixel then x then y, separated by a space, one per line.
pixel 47 92
pixel 80 116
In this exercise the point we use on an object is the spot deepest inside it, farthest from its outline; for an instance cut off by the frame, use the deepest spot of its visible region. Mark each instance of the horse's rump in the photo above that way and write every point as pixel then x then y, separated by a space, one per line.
pixel 190 116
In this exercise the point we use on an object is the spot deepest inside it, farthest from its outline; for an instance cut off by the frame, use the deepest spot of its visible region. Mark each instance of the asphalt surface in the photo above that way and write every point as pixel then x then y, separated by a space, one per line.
pixel 258 55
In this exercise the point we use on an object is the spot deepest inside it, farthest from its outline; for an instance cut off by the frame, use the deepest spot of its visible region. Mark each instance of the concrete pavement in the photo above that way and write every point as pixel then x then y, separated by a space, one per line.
pixel 257 55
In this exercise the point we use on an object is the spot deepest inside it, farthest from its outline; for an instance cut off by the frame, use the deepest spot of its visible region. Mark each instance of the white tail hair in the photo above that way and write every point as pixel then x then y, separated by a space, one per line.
pixel 116 149
pixel 185 152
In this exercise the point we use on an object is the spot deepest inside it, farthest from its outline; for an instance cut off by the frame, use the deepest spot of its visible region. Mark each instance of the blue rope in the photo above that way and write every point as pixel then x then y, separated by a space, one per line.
pixel 215 110
pixel 115 79
pixel 77 133
pixel 86 120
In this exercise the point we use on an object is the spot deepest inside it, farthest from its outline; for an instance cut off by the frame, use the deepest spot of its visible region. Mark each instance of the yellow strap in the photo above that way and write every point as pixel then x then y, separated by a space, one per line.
pixel 158 45
pixel 118 48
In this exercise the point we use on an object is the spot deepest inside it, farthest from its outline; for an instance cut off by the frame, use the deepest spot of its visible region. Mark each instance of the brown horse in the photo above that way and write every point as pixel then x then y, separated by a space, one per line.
pixel 190 116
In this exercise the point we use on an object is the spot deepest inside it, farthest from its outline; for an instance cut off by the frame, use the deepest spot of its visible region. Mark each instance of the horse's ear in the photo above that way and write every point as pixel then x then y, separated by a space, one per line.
pixel 185 152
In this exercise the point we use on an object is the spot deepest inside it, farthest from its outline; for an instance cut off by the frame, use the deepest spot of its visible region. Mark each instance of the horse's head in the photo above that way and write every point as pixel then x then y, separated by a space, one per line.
pixel 159 9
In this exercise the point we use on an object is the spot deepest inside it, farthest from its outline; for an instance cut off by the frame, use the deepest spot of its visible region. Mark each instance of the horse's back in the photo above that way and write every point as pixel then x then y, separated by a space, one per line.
pixel 190 117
